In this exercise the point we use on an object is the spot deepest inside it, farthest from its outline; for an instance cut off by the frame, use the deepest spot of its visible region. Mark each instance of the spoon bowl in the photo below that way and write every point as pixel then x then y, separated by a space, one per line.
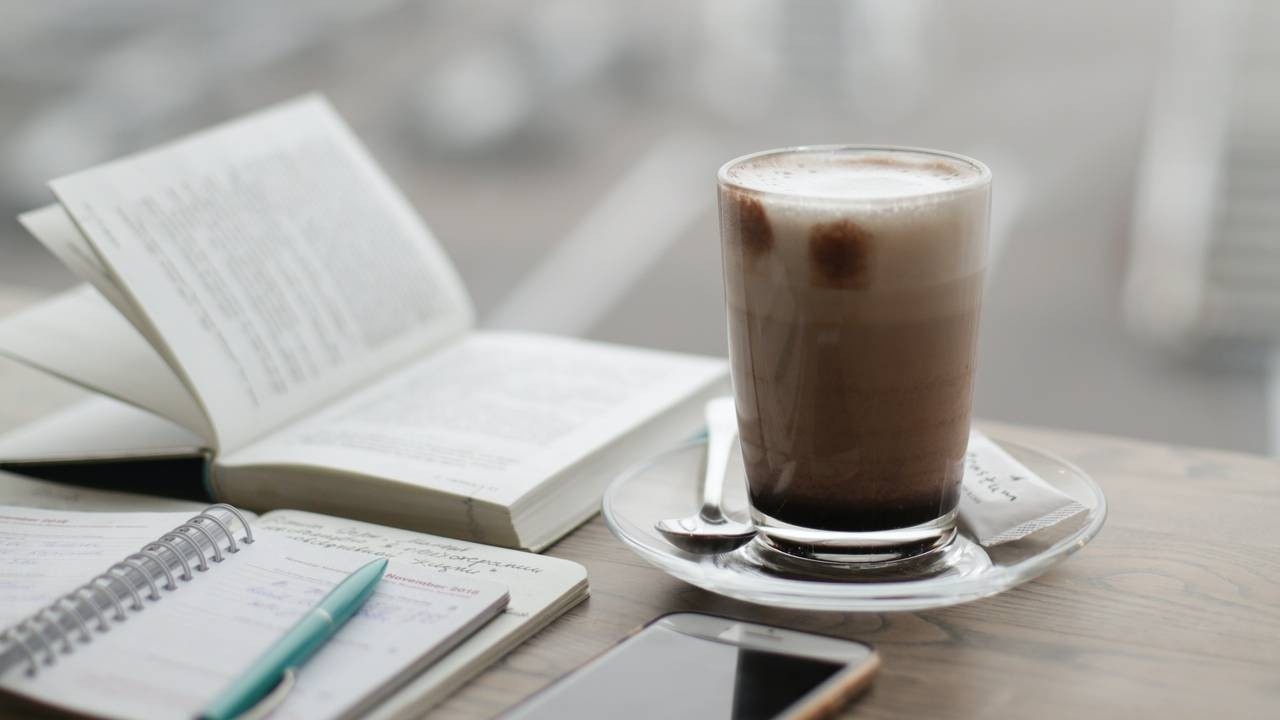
pixel 697 535
pixel 709 530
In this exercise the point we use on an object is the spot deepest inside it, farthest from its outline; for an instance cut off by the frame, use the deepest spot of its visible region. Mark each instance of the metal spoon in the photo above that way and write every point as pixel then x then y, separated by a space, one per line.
pixel 708 530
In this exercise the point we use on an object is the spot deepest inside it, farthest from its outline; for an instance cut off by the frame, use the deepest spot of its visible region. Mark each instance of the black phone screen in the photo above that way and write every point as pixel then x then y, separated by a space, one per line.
pixel 661 673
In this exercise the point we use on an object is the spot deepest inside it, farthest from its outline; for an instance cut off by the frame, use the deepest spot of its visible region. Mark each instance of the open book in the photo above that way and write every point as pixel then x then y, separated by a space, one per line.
pixel 45 560
pixel 264 288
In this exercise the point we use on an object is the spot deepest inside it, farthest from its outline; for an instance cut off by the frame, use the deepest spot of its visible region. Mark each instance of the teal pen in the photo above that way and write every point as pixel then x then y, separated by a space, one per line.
pixel 299 643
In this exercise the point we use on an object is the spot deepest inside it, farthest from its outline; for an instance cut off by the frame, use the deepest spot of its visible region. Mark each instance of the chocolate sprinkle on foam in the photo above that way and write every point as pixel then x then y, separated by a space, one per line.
pixel 838 254
pixel 753 226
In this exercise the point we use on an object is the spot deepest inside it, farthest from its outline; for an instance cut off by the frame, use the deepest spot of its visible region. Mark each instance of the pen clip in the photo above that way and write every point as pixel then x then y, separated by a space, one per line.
pixel 271 700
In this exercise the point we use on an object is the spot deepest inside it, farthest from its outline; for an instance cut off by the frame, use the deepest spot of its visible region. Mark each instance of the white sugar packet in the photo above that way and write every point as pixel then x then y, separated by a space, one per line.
pixel 1001 500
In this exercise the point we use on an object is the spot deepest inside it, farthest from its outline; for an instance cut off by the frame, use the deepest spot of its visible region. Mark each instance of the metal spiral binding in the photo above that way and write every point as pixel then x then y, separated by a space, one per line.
pixel 50 630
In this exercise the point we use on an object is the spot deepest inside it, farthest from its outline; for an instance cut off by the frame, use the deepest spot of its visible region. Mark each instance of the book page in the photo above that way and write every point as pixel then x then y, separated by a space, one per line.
pixel 540 588
pixel 79 337
pixel 169 659
pixel 491 416
pixel 95 428
pixel 54 229
pixel 275 260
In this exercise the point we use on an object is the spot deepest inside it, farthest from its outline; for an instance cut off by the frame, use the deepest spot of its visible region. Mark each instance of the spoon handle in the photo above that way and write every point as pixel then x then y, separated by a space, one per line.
pixel 722 429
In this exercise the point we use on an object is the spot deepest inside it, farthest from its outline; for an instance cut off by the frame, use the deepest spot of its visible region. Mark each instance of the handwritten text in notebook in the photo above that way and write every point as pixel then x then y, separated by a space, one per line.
pixel 167 659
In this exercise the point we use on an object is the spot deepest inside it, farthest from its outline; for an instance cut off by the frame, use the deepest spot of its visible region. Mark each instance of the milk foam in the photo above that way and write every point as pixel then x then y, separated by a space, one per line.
pixel 851 174
pixel 919 218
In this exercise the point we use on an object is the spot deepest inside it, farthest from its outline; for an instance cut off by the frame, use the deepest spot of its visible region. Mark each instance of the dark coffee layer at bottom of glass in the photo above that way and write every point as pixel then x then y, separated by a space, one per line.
pixel 838 549
pixel 857 516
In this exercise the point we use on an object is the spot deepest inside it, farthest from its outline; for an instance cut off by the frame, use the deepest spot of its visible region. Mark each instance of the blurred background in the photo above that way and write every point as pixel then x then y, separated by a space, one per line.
pixel 564 152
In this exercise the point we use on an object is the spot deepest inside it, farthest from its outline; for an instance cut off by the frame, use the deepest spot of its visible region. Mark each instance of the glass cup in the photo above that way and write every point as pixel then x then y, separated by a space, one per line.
pixel 853 283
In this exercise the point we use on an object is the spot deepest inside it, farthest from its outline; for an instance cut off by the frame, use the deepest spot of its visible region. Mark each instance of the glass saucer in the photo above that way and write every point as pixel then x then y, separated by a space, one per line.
pixel 668 486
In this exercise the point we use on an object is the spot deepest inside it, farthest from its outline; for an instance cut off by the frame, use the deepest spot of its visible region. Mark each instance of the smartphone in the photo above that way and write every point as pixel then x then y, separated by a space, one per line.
pixel 690 665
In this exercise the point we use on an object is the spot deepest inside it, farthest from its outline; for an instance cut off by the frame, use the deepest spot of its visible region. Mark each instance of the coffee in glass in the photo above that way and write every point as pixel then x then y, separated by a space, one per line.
pixel 853 280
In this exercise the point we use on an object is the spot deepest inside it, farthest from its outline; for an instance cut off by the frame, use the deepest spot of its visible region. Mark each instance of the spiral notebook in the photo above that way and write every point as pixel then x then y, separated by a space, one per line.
pixel 149 615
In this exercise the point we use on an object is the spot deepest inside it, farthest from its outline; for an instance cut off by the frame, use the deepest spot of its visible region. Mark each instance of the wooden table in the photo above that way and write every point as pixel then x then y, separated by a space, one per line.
pixel 1173 611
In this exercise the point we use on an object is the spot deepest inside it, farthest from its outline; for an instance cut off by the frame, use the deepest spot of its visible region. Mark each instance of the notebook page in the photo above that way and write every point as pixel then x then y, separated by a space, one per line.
pixel 276 261
pixel 45 554
pixel 171 658
pixel 541 589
